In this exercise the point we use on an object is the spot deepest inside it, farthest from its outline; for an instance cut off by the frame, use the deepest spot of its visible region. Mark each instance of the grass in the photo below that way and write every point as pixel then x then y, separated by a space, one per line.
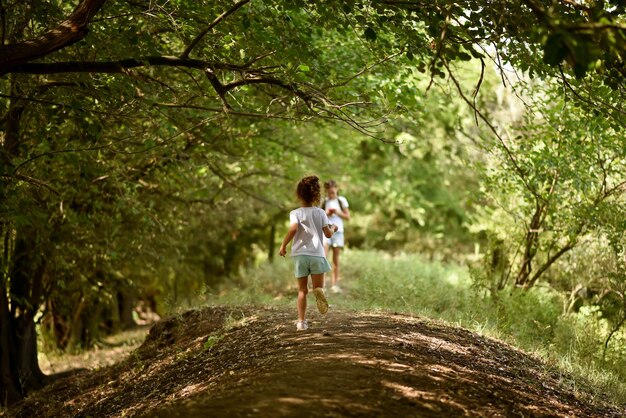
pixel 531 320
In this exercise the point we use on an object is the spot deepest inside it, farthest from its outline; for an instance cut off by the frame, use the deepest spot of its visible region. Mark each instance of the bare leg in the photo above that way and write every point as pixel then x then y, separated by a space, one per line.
pixel 318 291
pixel 336 251
pixel 302 292
pixel 317 279
pixel 326 253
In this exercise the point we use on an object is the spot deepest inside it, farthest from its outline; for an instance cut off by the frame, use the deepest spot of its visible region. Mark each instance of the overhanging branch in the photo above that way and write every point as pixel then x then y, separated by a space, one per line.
pixel 71 30
pixel 217 20
pixel 119 66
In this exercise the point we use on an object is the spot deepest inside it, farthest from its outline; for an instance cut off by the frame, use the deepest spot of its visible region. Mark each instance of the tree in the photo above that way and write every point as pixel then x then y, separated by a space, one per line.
pixel 89 135
pixel 114 78
pixel 551 182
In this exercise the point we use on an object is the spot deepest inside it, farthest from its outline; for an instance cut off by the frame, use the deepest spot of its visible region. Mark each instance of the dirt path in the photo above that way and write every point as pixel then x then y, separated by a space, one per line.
pixel 222 362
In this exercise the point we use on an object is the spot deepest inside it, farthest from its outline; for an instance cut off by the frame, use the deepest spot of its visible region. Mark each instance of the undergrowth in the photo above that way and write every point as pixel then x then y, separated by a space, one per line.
pixel 532 320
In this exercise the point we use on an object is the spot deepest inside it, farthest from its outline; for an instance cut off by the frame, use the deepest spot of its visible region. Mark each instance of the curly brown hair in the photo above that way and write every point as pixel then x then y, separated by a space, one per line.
pixel 308 190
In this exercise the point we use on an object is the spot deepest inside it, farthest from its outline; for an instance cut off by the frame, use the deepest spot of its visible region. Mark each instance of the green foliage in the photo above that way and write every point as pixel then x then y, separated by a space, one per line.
pixel 550 184
pixel 211 341
pixel 153 190
pixel 406 283
pixel 161 182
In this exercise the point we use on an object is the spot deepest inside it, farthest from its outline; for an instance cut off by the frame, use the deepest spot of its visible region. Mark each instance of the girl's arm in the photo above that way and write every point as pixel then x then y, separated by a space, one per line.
pixel 345 214
pixel 329 230
pixel 291 232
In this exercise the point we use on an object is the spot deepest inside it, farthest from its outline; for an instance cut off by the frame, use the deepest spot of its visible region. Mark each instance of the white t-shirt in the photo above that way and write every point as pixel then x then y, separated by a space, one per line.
pixel 334 204
pixel 309 236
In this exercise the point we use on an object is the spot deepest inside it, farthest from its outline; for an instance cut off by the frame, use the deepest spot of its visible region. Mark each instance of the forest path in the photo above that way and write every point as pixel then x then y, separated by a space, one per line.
pixel 365 364
pixel 250 361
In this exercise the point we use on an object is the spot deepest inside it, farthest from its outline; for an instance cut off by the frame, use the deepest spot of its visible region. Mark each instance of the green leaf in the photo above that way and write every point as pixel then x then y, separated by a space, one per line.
pixel 475 53
pixel 554 50
pixel 580 70
pixel 370 34
pixel 212 340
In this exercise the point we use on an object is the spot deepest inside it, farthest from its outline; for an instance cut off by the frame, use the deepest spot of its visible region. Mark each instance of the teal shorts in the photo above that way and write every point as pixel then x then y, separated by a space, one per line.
pixel 309 264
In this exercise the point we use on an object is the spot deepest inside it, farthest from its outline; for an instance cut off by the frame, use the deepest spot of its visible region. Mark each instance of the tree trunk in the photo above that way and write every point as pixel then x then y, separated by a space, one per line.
pixel 27 275
pixel 530 247
pixel 75 330
pixel 24 266
pixel 270 252
pixel 18 355
pixel 10 388
pixel 126 303
pixel 18 338
pixel 91 322
pixel 28 367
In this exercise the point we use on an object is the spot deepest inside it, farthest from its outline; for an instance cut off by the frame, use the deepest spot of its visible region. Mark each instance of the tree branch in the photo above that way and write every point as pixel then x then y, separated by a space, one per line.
pixel 538 10
pixel 493 129
pixel 219 89
pixel 30 180
pixel 232 113
pixel 618 325
pixel 577 6
pixel 548 263
pixel 68 32
pixel 120 66
pixel 217 20
pixel 110 66
pixel 215 169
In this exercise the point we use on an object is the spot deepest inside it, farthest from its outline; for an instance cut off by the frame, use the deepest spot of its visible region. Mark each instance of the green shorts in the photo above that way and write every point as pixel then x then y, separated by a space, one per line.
pixel 309 264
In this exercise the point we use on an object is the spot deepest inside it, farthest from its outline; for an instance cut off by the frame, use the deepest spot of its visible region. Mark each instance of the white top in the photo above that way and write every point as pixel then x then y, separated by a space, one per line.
pixel 334 204
pixel 309 236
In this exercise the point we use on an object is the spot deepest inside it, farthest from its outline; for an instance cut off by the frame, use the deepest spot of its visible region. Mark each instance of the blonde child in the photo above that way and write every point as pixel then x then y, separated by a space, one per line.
pixel 308 225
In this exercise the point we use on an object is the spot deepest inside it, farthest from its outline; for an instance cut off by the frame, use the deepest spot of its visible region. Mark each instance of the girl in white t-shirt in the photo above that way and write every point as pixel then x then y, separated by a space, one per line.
pixel 308 225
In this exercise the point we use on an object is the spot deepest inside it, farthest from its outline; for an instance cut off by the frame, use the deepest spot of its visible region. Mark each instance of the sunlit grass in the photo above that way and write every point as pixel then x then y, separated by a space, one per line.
pixel 531 320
